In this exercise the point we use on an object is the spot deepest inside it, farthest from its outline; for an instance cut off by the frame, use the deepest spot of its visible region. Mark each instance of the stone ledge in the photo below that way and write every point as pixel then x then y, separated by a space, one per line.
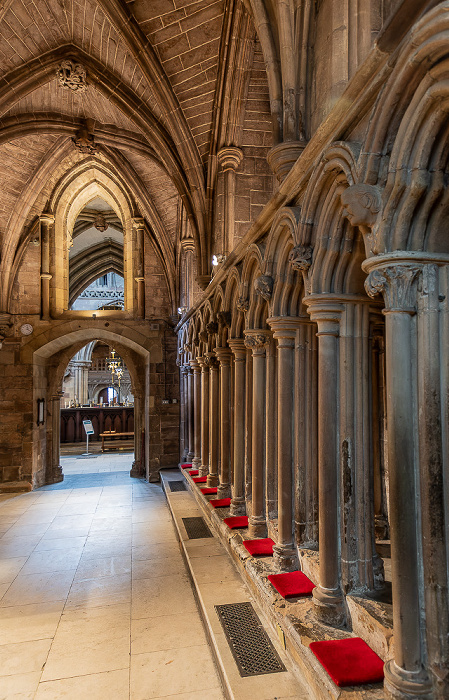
pixel 295 619
pixel 16 487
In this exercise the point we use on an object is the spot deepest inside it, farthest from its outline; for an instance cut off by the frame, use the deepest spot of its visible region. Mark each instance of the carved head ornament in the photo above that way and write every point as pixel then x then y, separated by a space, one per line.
pixel 362 204
pixel 212 327
pixel 242 304
pixel 224 318
pixel 263 286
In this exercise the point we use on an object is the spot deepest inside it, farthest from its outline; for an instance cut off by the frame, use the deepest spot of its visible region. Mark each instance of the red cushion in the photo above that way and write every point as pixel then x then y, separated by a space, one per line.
pixel 260 548
pixel 349 661
pixel 194 472
pixel 209 490
pixel 236 521
pixel 220 502
pixel 186 465
pixel 200 480
pixel 292 584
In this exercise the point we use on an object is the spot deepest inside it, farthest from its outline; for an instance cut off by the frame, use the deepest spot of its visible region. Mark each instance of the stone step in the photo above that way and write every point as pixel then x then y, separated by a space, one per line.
pixel 15 487
pixel 294 622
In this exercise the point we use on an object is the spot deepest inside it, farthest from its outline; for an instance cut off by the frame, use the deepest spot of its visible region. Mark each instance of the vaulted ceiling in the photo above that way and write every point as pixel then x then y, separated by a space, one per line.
pixel 154 97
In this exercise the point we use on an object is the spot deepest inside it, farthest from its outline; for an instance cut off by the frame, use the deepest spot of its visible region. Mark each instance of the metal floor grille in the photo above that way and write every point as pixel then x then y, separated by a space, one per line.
pixel 177 486
pixel 196 528
pixel 251 648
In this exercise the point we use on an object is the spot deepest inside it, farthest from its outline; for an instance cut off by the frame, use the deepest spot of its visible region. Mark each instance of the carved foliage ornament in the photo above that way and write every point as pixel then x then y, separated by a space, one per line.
pixel 398 285
pixel 242 304
pixel 258 340
pixel 72 76
pixel 300 257
pixel 263 286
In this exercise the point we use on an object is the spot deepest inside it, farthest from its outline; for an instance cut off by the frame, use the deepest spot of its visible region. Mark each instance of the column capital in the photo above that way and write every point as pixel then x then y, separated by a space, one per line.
pixel 256 340
pixel 138 222
pixel 47 218
pixel 139 279
pixel 195 366
pixel 46 276
pixel 224 355
pixel 238 348
pixel 230 157
pixel 213 362
pixel 325 310
pixel 203 363
pixel 286 326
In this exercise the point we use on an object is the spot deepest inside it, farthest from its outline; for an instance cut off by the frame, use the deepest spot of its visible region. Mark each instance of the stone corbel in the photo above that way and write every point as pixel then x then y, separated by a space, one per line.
pixel 212 327
pixel 242 304
pixel 361 206
pixel 84 139
pixel 224 318
pixel 263 286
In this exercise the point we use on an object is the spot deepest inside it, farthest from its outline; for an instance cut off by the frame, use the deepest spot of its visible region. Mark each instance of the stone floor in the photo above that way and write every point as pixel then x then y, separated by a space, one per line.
pixel 95 601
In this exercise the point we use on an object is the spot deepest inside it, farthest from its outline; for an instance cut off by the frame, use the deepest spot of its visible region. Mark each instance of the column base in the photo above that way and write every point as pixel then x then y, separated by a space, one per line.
pixel 189 458
pixel 224 491
pixel 57 476
pixel 329 606
pixel 285 557
pixel 196 463
pixel 212 480
pixel 238 506
pixel 406 685
pixel 154 477
pixel 257 527
pixel 204 470
pixel 135 471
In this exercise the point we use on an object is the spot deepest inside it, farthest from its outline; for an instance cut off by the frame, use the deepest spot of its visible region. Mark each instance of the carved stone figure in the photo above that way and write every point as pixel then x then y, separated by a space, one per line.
pixel 100 222
pixel 264 286
pixel 300 257
pixel 72 76
pixel 212 327
pixel 362 204
pixel 84 139
pixel 242 304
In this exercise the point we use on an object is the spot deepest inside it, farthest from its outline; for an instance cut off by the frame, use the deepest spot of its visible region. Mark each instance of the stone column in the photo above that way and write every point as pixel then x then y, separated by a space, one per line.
pixel 46 223
pixel 229 158
pixel 224 358
pixel 190 413
pixel 405 676
pixel 136 468
pixel 271 480
pixel 214 425
pixel 56 474
pixel 139 225
pixel 256 340
pixel 238 505
pixel 196 462
pixel 204 364
pixel 327 596
pixel 184 413
pixel 284 332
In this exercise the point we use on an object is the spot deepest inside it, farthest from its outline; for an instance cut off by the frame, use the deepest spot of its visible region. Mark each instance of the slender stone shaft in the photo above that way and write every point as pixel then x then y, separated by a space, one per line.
pixel 56 474
pixel 46 222
pixel 327 596
pixel 229 158
pixel 238 506
pixel 214 425
pixel 204 467
pixel 196 462
pixel 137 466
pixel 190 414
pixel 257 341
pixel 184 416
pixel 405 676
pixel 224 357
pixel 285 330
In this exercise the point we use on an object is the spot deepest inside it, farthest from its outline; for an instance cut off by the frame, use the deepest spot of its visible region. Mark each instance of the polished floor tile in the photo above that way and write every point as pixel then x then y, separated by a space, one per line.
pixel 95 599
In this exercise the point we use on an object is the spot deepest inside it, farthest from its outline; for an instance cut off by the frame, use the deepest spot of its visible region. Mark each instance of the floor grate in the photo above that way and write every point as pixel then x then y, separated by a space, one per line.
pixel 177 486
pixel 251 647
pixel 196 528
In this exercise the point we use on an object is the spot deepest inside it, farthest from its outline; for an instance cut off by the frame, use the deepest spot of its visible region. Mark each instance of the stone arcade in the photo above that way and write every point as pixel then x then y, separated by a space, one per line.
pixel 303 148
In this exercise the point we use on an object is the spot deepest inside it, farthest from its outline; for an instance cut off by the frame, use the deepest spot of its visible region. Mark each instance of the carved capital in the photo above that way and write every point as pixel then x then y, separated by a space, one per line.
pixel 397 284
pixel 263 286
pixel 242 304
pixel 257 341
pixel 211 360
pixel 300 257
pixel 138 222
pixel 230 157
pixel 72 76
pixel 47 219
pixel 187 347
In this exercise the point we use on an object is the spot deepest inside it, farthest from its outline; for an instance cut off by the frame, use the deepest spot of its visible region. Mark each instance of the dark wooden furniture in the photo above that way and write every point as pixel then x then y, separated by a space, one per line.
pixel 118 441
pixel 103 418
